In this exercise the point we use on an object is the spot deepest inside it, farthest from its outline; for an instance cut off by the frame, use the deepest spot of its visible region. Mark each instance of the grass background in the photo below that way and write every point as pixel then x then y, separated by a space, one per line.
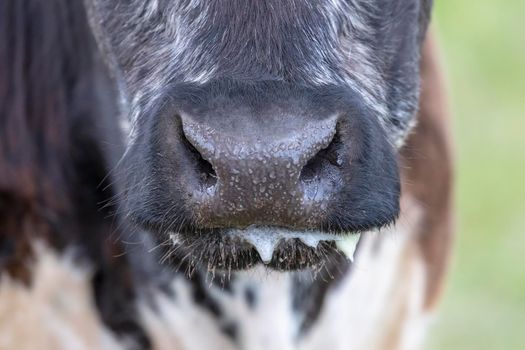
pixel 484 52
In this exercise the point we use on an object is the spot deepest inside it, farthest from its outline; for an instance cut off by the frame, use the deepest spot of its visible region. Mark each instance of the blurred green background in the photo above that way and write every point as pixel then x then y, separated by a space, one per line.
pixel 484 53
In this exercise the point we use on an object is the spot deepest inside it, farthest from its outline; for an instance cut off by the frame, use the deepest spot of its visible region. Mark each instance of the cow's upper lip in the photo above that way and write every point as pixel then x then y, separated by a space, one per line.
pixel 265 239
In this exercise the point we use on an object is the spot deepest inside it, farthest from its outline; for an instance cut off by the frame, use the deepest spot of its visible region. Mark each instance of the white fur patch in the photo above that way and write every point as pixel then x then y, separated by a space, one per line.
pixel 180 323
pixel 56 311
pixel 379 305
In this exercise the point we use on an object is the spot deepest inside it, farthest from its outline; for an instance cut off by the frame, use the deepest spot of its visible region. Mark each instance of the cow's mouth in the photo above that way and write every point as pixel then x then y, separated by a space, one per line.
pixel 275 247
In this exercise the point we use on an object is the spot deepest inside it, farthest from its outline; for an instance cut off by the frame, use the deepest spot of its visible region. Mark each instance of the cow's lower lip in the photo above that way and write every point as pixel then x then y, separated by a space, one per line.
pixel 266 240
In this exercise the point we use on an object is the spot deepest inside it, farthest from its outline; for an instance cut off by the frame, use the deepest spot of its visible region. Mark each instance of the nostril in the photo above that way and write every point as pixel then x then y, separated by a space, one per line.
pixel 206 174
pixel 329 156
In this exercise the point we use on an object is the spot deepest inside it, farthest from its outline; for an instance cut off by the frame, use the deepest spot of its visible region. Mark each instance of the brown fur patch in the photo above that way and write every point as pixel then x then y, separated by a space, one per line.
pixel 427 171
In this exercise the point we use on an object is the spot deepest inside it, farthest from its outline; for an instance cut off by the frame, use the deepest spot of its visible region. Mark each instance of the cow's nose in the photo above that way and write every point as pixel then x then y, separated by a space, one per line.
pixel 264 176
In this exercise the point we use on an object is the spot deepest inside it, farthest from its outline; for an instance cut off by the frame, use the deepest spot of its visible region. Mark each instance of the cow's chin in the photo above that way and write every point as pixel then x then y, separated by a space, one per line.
pixel 240 249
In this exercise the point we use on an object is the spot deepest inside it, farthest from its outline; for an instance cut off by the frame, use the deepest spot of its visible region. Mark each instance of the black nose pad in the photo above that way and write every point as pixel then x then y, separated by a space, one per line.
pixel 269 179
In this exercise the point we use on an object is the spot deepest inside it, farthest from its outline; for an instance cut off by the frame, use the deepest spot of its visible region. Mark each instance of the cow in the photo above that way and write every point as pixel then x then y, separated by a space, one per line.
pixel 221 174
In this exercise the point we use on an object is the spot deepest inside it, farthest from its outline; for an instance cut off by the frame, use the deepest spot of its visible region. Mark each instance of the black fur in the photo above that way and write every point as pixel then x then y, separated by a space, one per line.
pixel 58 140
